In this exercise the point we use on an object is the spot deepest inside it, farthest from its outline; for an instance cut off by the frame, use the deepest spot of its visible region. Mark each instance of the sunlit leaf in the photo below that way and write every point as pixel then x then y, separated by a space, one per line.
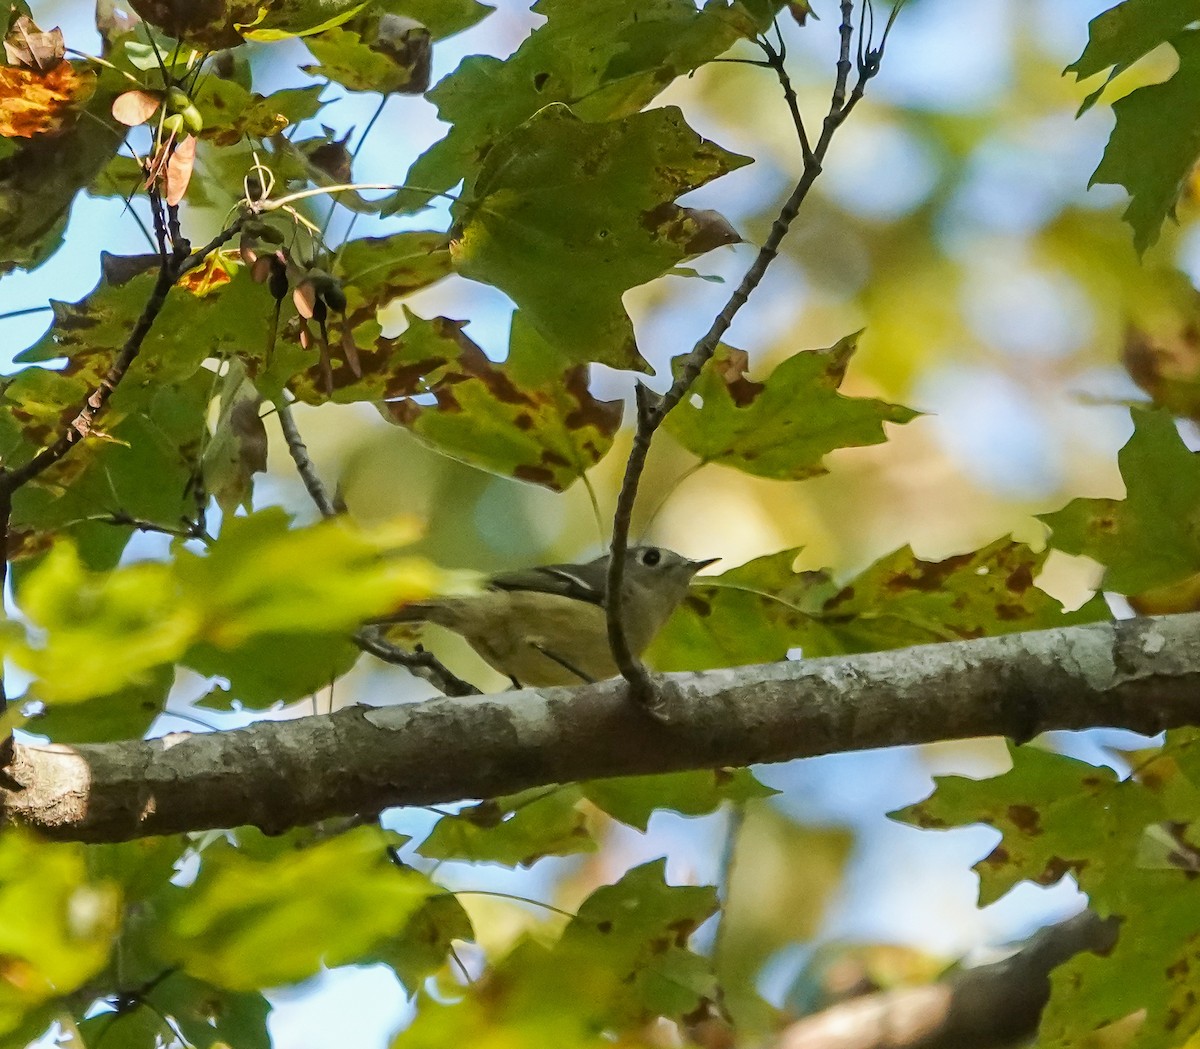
pixel 56 927
pixel 248 597
pixel 34 103
pixel 515 832
pixel 248 923
pixel 38 184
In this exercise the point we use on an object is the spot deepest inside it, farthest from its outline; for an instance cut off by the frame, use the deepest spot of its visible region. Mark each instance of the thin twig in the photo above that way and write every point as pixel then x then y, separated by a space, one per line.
pixel 119 518
pixel 6 747
pixel 171 269
pixel 775 61
pixel 652 409
pixel 304 465
pixel 422 664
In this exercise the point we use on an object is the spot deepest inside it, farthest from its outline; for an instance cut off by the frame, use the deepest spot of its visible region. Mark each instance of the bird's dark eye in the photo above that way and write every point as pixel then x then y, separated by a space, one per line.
pixel 651 557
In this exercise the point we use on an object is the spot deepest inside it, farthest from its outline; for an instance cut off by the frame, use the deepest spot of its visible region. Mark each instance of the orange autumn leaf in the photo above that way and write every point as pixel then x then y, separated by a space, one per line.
pixel 204 280
pixel 34 103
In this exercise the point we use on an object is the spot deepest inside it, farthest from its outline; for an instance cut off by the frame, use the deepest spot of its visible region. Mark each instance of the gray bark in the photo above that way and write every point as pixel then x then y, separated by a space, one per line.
pixel 1141 674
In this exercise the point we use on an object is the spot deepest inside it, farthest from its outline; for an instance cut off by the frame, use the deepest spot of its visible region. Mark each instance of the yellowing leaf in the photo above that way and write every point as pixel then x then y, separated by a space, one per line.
pixel 40 103
pixel 56 928
pixel 249 923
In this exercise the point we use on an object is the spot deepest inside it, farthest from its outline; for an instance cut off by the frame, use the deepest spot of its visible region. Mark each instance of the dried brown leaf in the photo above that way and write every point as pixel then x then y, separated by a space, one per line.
pixel 31 48
pixel 179 169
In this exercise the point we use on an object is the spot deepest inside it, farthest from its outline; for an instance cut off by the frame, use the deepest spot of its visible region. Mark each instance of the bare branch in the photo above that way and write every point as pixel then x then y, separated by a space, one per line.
pixel 652 410
pixel 304 465
pixel 1141 674
pixel 990 1005
pixel 420 663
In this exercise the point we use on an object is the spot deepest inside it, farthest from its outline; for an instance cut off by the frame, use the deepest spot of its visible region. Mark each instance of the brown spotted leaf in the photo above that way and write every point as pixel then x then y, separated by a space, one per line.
pixel 566 216
pixel 1151 538
pixel 375 271
pixel 527 418
pixel 902 600
pixel 209 24
pixel 35 103
pixel 604 58
pixel 1058 816
pixel 754 613
pixel 781 427
pixel 1130 844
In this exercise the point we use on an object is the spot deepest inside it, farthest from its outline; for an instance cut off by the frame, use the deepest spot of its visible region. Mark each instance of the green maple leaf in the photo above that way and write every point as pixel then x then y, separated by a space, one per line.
pixel 566 216
pixel 1151 538
pixel 780 428
pixel 515 831
pixel 1121 35
pixel 1156 143
pixel 604 58
pixel 1061 816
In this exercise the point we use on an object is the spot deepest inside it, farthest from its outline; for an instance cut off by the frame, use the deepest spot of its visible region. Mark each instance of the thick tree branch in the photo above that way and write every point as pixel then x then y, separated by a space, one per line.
pixel 1141 674
pixel 984 1007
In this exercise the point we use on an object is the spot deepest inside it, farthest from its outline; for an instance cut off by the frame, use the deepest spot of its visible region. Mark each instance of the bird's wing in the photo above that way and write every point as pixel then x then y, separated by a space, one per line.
pixel 578 582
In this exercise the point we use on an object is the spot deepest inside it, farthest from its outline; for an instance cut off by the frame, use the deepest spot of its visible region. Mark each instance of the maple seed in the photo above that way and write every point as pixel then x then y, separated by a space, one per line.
pixel 132 108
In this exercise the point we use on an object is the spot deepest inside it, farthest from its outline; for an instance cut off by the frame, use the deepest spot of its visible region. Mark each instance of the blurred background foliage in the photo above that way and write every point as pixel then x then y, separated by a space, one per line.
pixel 997 295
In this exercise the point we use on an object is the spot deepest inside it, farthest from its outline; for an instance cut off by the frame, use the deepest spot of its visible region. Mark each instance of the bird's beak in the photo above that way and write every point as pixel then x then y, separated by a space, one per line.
pixel 697 565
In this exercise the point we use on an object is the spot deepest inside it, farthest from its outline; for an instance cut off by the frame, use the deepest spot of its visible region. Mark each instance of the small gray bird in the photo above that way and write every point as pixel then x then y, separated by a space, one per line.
pixel 546 626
